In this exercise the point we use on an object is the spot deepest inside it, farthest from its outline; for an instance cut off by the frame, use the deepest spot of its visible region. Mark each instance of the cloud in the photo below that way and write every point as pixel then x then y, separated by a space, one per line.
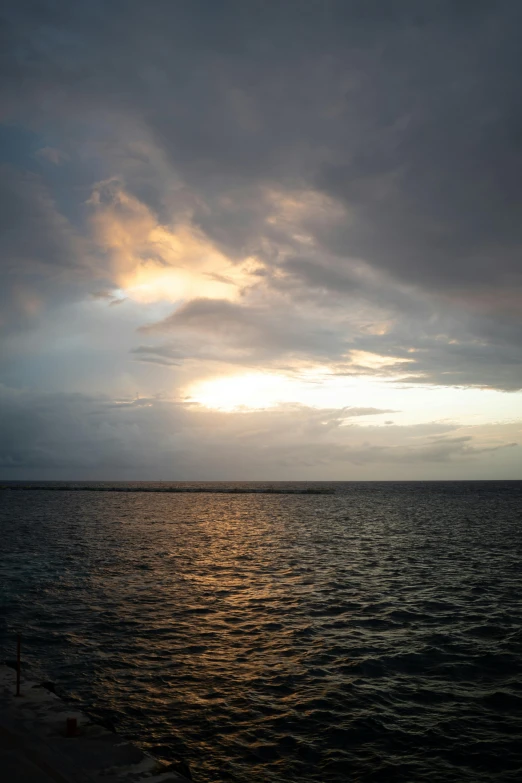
pixel 52 155
pixel 151 261
pixel 336 187
pixel 281 332
pixel 159 354
pixel 397 116
pixel 258 331
pixel 42 256
pixel 81 436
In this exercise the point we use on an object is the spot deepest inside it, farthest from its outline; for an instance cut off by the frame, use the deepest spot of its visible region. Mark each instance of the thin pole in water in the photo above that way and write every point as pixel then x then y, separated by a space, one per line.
pixel 18 648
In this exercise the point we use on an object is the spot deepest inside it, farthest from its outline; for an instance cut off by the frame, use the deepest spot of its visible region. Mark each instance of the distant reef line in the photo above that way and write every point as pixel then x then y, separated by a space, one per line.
pixel 175 490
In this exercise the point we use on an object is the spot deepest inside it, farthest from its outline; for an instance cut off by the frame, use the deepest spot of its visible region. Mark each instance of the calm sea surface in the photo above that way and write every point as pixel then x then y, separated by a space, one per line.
pixel 370 635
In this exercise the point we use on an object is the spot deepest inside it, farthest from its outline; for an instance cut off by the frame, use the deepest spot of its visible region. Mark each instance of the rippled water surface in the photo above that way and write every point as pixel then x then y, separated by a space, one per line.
pixel 370 635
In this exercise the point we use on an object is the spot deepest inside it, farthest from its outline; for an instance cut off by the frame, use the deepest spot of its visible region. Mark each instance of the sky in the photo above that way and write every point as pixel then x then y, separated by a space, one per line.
pixel 260 240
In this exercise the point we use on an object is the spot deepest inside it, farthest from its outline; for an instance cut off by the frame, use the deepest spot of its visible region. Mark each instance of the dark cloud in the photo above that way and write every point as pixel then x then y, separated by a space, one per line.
pixel 159 354
pixel 42 256
pixel 438 349
pixel 256 334
pixel 24 201
pixel 369 154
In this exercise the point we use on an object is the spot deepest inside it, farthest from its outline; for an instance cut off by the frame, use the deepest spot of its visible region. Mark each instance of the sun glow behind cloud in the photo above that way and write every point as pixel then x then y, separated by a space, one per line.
pixel 155 263
pixel 315 388
pixel 153 283
pixel 251 391
pixel 402 404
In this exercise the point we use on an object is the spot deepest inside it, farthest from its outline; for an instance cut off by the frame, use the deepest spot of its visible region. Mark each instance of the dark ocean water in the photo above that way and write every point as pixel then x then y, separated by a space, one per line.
pixel 370 635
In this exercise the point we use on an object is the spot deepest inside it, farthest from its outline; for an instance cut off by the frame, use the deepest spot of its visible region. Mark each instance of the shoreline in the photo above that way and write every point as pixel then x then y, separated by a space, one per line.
pixel 176 490
pixel 35 747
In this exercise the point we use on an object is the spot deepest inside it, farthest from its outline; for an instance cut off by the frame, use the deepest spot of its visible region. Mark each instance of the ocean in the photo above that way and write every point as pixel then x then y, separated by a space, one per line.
pixel 371 634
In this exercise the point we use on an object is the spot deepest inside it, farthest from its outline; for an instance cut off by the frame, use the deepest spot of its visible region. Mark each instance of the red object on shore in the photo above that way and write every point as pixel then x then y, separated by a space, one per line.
pixel 71 728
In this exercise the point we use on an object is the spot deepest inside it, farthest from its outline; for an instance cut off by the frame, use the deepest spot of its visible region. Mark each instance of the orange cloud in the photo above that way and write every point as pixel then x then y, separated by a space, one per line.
pixel 153 262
